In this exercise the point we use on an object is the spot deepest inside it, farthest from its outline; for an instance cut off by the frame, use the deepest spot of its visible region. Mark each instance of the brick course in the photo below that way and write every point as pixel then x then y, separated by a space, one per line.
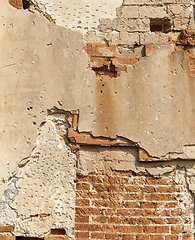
pixel 119 205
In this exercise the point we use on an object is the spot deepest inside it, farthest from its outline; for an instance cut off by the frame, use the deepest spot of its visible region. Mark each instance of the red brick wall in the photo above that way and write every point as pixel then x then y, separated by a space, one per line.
pixel 118 205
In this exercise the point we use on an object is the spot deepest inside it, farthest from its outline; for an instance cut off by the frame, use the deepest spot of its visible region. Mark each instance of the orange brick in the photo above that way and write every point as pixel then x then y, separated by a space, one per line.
pixel 88 211
pixel 99 219
pixel 153 181
pixel 3 237
pixel 128 237
pixel 143 221
pixel 131 205
pixel 81 218
pixel 133 196
pixel 82 202
pixel 123 212
pixel 142 237
pixel 87 227
pixel 75 120
pixel 129 229
pixel 159 197
pixel 114 220
pixel 107 228
pixel 148 50
pixel 82 186
pixel 81 234
pixel 162 229
pixel 149 229
pixel 176 229
pixel 98 235
pixel 102 203
pixel 132 189
pixel 147 189
pixel 147 204
pixel 172 220
pixel 171 237
pixel 112 236
pixel 6 228
pixel 156 237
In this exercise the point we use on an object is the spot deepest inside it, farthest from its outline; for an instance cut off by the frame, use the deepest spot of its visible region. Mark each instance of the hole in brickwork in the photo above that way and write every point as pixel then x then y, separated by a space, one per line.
pixel 57 232
pixel 108 70
pixel 28 238
pixel 160 25
pixel 26 4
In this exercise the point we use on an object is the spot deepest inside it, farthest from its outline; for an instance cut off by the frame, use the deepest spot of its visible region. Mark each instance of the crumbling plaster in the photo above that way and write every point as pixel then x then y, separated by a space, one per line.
pixel 44 65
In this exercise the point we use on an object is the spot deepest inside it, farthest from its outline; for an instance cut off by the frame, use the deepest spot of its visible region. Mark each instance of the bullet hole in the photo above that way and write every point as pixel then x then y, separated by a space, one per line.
pixel 29 108
pixel 101 91
pixel 34 123
pixel 26 4
pixel 102 85
pixel 115 92
pixel 58 232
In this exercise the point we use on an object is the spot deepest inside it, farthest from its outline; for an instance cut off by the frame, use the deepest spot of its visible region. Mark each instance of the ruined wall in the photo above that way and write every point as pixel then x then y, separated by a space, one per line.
pixel 97 120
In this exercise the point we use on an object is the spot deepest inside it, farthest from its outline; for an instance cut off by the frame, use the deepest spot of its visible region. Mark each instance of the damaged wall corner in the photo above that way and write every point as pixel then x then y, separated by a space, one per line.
pixel 97 136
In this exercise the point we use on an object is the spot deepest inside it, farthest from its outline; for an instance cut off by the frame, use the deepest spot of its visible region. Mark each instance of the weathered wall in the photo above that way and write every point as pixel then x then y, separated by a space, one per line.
pixel 104 90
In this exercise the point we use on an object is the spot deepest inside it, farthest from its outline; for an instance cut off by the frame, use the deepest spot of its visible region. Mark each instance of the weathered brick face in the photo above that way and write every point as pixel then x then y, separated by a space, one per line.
pixel 121 205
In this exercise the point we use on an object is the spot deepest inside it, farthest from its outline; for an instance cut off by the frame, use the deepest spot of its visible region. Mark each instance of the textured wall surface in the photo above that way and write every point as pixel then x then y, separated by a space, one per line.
pixel 104 91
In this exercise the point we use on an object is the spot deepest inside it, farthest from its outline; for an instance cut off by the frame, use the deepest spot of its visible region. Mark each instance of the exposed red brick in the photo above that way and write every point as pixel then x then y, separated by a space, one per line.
pixel 148 49
pixel 81 218
pixel 143 155
pixel 98 235
pixel 81 234
pixel 75 120
pixel 131 207
pixel 82 186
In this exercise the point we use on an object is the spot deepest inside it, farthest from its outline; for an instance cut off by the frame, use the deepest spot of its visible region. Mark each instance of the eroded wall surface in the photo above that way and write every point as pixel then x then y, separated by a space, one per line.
pixel 105 91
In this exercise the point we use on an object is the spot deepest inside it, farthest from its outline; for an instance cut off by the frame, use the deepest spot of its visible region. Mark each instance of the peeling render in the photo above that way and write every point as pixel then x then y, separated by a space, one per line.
pixel 97 92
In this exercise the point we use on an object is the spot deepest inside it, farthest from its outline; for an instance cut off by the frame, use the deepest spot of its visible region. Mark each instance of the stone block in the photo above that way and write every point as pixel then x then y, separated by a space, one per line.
pixel 155 38
pixel 152 12
pixel 130 11
pixel 140 25
pixel 175 9
pixel 129 38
